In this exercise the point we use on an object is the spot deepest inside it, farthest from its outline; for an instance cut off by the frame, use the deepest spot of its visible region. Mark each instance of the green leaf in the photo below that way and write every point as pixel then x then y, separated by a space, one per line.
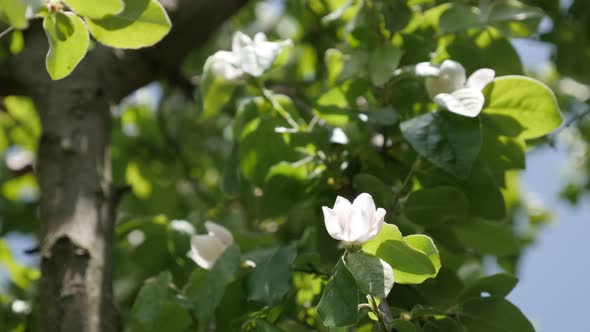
pixel 481 189
pixel 457 18
pixel 502 153
pixel 338 305
pixel 367 183
pixel 156 307
pixel 231 173
pixel 264 326
pixel 514 18
pixel 402 325
pixel 485 198
pixel 14 12
pixel 449 141
pixel 271 278
pixel 142 23
pixel 373 275
pixel 337 104
pixel 396 14
pixel 511 17
pixel 333 107
pixel 95 9
pixel 385 116
pixel 484 49
pixel 446 324
pixel 499 285
pixel 487 237
pixel 518 101
pixel 442 290
pixel 261 147
pixel 215 90
pixel 411 265
pixel 383 61
pixel 434 206
pixel 206 296
pixel 284 185
pixel 387 232
pixel 426 245
pixel 68 43
pixel 334 60
pixel 493 314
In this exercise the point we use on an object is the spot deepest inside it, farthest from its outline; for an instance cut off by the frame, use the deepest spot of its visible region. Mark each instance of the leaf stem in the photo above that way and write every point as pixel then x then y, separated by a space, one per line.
pixel 267 94
pixel 406 182
pixel 378 313
pixel 7 31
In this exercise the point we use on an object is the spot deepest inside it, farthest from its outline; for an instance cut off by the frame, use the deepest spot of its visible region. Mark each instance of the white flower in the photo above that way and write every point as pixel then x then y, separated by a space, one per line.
pixel 449 87
pixel 250 56
pixel 182 226
pixel 17 158
pixel 339 137
pixel 206 248
pixel 354 223
pixel 21 307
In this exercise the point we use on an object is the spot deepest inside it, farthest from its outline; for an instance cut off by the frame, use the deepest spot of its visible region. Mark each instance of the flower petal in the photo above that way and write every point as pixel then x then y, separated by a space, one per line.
pixel 259 37
pixel 480 78
pixel 364 202
pixel 239 41
pixel 342 207
pixel 205 250
pixel 249 61
pixel 467 102
pixel 451 77
pixel 267 53
pixel 357 227
pixel 426 69
pixel 219 232
pixel 379 220
pixel 362 217
pixel 226 65
pixel 332 222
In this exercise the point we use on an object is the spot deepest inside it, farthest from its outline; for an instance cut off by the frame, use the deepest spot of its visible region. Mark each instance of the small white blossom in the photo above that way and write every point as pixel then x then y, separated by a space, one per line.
pixel 339 137
pixel 21 307
pixel 17 158
pixel 248 56
pixel 206 248
pixel 354 223
pixel 182 226
pixel 449 87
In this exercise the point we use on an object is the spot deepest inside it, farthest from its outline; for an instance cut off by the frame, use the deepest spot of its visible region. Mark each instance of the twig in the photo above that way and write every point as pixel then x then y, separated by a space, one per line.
pixel 577 117
pixel 551 139
pixel 267 94
pixel 384 308
pixel 5 32
pixel 377 312
pixel 406 182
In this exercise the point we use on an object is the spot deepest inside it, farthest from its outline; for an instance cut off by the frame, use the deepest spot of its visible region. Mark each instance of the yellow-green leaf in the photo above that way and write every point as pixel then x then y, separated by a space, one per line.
pixel 68 43
pixel 96 9
pixel 519 106
pixel 13 12
pixel 142 23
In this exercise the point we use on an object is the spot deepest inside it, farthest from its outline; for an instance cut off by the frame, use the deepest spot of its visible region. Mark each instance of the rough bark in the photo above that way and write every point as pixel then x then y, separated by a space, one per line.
pixel 74 164
pixel 74 174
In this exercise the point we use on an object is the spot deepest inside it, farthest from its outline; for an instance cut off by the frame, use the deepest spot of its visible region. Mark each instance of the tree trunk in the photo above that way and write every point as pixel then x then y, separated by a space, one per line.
pixel 74 175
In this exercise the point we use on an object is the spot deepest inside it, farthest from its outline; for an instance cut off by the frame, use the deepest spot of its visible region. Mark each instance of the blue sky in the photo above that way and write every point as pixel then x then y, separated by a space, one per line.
pixel 554 289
